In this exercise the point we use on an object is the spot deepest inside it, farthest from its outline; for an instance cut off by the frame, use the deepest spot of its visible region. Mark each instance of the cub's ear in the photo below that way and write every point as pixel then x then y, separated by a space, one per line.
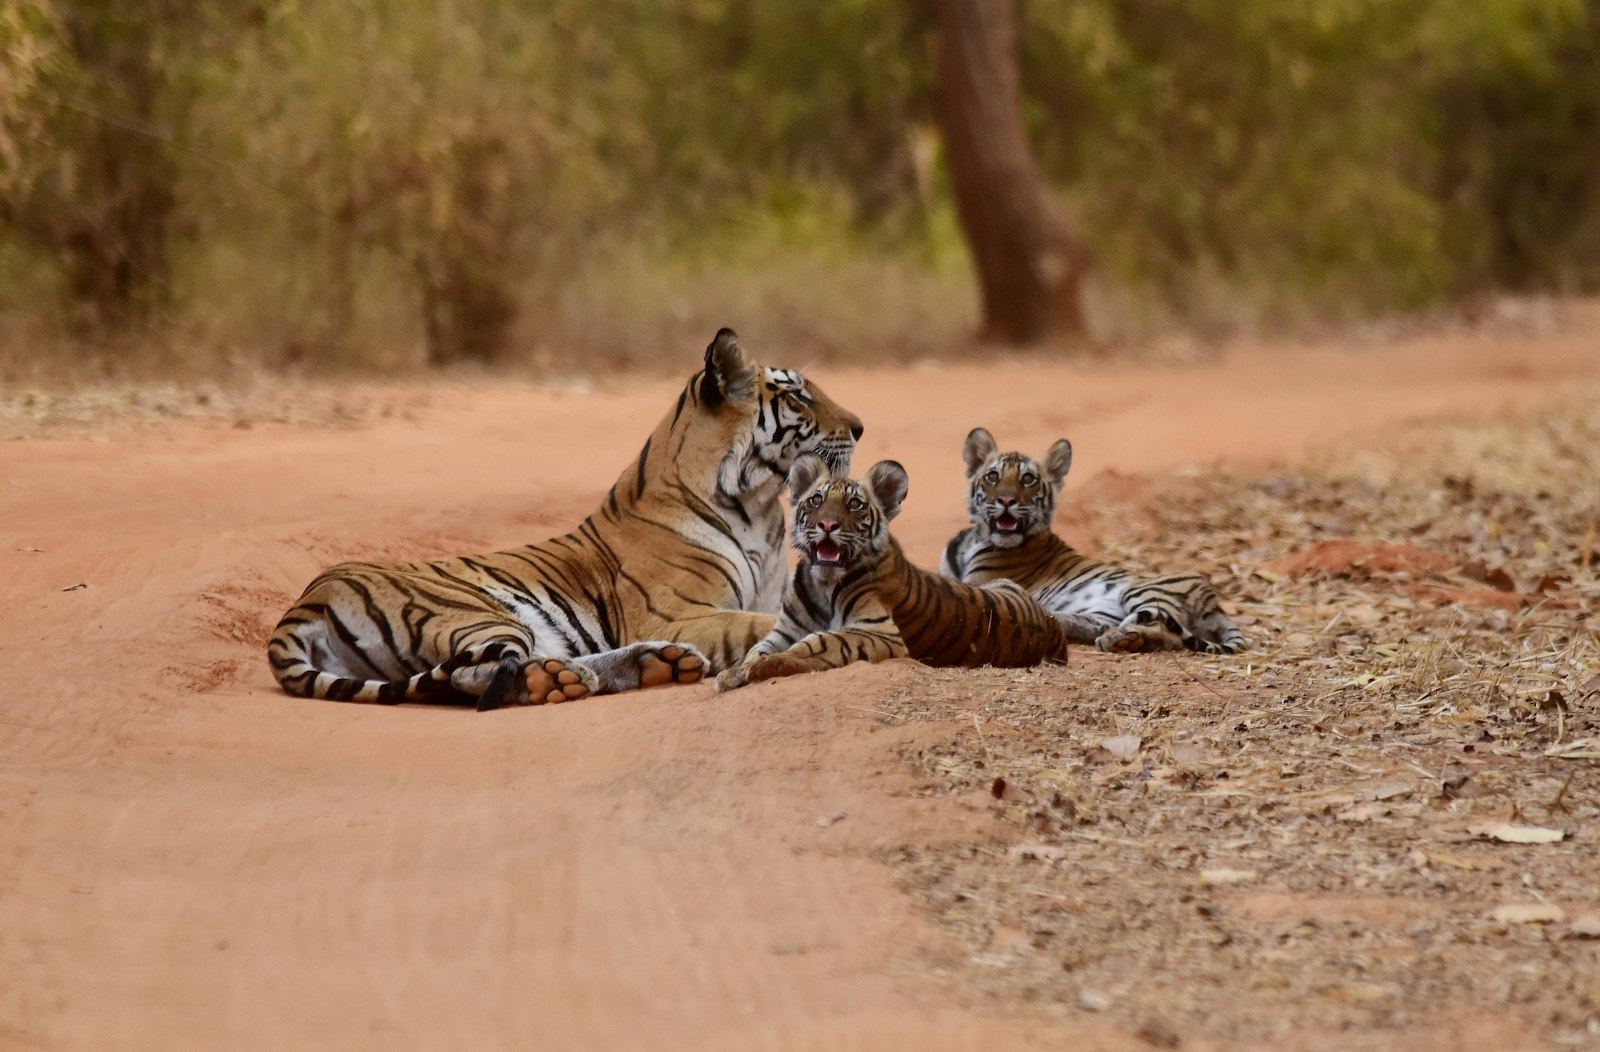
pixel 888 484
pixel 1058 461
pixel 980 447
pixel 804 473
pixel 729 376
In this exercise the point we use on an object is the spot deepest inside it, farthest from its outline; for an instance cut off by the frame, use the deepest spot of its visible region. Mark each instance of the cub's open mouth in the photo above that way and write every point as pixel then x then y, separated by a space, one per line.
pixel 828 553
pixel 1005 522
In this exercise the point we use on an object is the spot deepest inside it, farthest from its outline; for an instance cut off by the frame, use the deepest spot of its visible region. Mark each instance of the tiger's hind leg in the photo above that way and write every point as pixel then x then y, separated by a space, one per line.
pixel 1216 633
pixel 551 680
pixel 512 679
pixel 1143 630
pixel 1085 628
pixel 657 663
pixel 1163 613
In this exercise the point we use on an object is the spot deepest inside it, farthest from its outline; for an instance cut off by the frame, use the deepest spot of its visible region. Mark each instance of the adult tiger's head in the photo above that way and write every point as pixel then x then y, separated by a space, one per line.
pixel 840 523
pixel 1010 496
pixel 765 418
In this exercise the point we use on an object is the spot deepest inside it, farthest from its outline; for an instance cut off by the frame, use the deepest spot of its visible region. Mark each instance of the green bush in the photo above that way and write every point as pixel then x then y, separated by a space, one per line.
pixel 393 183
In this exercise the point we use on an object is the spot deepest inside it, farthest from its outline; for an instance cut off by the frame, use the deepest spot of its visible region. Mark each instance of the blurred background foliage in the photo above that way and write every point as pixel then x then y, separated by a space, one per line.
pixel 587 183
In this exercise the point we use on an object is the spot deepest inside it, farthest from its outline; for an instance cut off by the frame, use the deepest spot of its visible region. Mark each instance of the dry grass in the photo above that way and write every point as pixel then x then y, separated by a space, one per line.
pixel 34 411
pixel 1241 849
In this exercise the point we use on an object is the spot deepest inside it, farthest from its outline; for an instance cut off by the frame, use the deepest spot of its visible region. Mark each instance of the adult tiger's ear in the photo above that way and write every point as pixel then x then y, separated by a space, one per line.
pixel 979 448
pixel 804 473
pixel 1058 461
pixel 729 376
pixel 888 484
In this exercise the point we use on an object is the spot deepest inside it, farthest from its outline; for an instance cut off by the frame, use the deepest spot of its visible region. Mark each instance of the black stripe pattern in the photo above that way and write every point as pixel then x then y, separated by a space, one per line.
pixel 1011 501
pixel 855 597
pixel 685 549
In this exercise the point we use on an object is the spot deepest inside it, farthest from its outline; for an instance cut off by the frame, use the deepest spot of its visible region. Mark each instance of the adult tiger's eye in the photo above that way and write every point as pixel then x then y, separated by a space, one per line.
pixel 1030 479
pixel 992 477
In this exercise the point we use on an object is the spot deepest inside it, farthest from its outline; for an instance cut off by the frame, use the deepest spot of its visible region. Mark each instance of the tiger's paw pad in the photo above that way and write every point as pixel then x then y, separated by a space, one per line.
pixel 671 663
pixel 552 681
pixel 1123 641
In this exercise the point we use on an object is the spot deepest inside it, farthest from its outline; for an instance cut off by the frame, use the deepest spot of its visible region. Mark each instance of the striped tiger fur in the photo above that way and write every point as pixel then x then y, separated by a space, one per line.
pixel 854 596
pixel 679 571
pixel 1011 499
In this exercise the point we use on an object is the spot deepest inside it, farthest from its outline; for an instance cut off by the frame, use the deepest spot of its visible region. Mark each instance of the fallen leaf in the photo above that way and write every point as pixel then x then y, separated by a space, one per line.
pixel 1499 580
pixel 1227 876
pixel 1440 858
pixel 1389 792
pixel 1041 852
pixel 1363 812
pixel 74 587
pixel 1007 938
pixel 1512 834
pixel 1591 685
pixel 1361 993
pixel 1158 1033
pixel 1001 789
pixel 1528 913
pixel 1585 927
pixel 1192 756
pixel 1092 1000
pixel 1125 747
pixel 827 820
pixel 1582 749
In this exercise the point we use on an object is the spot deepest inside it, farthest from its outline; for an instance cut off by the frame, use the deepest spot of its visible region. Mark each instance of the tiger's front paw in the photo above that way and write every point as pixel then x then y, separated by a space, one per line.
pixel 671 663
pixel 732 679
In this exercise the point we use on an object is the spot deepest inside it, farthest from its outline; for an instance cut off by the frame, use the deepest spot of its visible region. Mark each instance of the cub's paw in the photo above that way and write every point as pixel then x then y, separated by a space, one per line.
pixel 1124 640
pixel 732 678
pixel 552 681
pixel 664 663
pixel 772 666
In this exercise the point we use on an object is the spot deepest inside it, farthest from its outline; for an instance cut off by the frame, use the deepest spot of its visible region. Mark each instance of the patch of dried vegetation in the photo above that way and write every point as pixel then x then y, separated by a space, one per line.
pixel 1384 814
pixel 35 412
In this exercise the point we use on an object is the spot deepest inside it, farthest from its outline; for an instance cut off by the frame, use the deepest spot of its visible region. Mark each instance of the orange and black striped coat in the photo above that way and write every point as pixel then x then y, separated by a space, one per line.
pixel 855 597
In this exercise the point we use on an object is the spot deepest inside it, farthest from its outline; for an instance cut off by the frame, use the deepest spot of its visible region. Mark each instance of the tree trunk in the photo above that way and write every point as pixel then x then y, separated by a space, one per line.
pixel 1030 266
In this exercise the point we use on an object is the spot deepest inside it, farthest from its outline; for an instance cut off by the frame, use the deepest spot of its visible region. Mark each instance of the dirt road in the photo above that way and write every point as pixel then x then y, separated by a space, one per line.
pixel 193 860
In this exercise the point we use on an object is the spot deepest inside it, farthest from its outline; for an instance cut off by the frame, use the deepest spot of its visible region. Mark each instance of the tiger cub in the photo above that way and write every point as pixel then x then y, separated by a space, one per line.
pixel 854 596
pixel 1011 500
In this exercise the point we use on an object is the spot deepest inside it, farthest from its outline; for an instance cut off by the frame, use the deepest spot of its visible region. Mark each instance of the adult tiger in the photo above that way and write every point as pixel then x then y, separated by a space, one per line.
pixel 1011 499
pixel 680 568
pixel 854 596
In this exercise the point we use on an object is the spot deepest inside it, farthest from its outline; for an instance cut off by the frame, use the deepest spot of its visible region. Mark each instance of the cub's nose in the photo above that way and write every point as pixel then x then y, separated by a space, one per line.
pixel 856 430
pixel 828 525
pixel 1008 502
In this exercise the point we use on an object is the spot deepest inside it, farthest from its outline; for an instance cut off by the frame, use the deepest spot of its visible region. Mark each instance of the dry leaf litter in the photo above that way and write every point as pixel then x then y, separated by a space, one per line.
pixel 1385 812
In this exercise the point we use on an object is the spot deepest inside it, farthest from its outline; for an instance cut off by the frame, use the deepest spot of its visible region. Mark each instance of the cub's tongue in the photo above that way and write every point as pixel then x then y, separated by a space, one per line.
pixel 828 551
pixel 1005 521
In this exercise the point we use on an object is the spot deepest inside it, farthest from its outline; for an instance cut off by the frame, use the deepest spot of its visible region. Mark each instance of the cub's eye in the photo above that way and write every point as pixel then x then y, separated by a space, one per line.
pixel 1030 479
pixel 992 477
pixel 815 500
pixel 856 504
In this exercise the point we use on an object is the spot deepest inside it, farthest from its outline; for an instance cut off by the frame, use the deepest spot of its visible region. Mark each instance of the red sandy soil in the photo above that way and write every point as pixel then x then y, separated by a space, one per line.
pixel 194 860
